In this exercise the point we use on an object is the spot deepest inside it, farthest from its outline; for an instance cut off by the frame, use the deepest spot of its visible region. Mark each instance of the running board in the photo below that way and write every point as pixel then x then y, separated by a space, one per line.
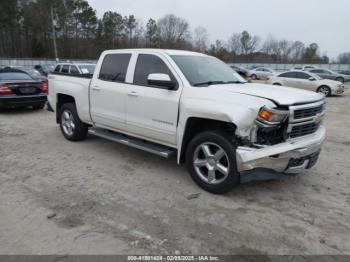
pixel 156 149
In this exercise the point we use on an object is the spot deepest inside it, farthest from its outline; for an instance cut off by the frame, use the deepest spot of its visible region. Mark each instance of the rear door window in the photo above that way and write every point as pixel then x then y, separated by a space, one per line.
pixel 288 75
pixel 115 67
pixel 65 69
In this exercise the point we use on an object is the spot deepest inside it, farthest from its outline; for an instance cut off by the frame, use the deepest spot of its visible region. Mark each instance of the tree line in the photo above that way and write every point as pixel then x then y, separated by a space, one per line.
pixel 27 31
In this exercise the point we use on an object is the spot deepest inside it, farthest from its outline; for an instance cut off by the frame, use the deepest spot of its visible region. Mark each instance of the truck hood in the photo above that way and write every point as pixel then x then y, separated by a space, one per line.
pixel 278 94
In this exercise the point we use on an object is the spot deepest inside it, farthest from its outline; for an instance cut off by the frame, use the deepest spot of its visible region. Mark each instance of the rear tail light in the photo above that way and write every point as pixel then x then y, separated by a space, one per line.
pixel 45 87
pixel 268 78
pixel 5 90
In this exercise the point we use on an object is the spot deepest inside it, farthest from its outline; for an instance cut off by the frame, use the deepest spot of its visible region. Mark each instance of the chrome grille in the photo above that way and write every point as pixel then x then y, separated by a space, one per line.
pixel 305 119
pixel 303 130
pixel 308 112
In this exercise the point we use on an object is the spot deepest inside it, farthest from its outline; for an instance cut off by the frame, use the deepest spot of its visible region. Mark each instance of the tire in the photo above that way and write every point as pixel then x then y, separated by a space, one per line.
pixel 324 90
pixel 38 107
pixel 203 152
pixel 254 77
pixel 340 79
pixel 276 84
pixel 71 126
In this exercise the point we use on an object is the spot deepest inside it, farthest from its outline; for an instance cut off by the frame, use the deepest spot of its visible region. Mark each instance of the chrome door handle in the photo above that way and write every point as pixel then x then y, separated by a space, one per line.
pixel 133 94
pixel 96 88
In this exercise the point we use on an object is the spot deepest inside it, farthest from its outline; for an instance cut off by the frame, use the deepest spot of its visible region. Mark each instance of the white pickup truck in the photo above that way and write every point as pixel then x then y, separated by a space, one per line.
pixel 193 105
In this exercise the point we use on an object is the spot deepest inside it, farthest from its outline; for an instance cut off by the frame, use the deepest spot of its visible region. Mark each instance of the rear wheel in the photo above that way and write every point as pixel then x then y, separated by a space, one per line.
pixel 71 126
pixel 254 77
pixel 324 90
pixel 211 161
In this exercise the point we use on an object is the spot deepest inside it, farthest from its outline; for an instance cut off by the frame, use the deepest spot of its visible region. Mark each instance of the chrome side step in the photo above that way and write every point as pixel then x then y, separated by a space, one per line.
pixel 153 148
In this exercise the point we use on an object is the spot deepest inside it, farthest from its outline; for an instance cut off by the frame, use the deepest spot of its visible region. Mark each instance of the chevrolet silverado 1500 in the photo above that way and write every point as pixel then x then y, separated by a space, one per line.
pixel 193 105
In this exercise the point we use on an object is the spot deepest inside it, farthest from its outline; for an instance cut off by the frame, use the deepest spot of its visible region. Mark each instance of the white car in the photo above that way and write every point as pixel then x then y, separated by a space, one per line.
pixel 261 73
pixel 307 81
pixel 75 69
pixel 196 107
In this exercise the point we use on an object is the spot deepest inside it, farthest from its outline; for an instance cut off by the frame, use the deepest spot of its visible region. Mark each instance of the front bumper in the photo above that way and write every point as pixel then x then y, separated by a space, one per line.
pixel 20 101
pixel 279 157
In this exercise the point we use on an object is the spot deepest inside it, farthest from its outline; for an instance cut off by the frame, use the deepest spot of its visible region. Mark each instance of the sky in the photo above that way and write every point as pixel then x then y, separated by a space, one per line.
pixel 326 22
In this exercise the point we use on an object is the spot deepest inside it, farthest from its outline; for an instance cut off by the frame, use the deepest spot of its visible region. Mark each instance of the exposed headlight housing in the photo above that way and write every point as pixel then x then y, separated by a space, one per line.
pixel 271 116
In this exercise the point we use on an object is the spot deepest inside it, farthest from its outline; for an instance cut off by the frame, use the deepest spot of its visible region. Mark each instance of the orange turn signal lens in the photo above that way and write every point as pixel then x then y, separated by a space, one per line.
pixel 266 115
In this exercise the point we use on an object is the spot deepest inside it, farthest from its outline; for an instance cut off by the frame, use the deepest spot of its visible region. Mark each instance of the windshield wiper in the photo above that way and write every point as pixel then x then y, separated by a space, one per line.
pixel 209 83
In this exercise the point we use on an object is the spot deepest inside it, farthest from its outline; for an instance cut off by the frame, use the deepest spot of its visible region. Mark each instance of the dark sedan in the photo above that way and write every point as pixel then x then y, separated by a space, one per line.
pixel 18 89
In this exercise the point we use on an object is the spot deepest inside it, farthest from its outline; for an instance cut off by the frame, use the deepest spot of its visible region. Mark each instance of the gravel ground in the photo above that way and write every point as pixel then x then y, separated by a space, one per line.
pixel 105 198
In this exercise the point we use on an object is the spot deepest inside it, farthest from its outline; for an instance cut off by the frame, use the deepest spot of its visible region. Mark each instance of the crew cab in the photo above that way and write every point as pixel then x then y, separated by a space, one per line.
pixel 185 103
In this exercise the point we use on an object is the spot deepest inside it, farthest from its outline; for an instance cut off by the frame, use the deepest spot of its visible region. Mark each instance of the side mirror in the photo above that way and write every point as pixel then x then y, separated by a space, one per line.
pixel 161 80
pixel 312 79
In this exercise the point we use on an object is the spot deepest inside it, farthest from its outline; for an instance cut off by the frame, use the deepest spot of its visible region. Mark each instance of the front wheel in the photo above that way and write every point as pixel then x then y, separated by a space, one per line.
pixel 211 161
pixel 254 77
pixel 324 90
pixel 71 126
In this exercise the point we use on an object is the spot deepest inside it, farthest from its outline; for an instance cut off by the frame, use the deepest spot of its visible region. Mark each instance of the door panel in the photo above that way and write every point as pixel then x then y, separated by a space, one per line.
pixel 152 112
pixel 108 92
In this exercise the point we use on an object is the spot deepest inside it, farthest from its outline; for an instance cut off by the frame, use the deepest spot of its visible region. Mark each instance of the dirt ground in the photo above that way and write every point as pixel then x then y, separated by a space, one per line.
pixel 111 199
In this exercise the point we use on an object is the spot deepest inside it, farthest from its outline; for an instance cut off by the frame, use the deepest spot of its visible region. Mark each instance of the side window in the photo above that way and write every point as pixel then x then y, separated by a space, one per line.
pixel 58 68
pixel 74 70
pixel 115 67
pixel 302 75
pixel 288 75
pixel 149 64
pixel 65 69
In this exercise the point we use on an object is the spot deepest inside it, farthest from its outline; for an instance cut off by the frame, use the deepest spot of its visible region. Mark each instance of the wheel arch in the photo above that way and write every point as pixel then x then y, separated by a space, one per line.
pixel 196 125
pixel 60 101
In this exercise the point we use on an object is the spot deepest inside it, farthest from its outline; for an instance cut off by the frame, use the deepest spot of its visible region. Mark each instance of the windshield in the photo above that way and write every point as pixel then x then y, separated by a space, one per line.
pixel 205 70
pixel 87 69
pixel 14 76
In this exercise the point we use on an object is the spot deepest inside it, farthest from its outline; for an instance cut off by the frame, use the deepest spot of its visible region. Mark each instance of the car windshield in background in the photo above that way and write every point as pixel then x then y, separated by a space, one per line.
pixel 205 71
pixel 14 76
pixel 87 69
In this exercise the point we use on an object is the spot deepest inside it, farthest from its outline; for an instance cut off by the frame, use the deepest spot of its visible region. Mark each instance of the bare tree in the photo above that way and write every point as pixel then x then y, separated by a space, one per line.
pixel 249 44
pixel 234 44
pixel 173 30
pixel 200 39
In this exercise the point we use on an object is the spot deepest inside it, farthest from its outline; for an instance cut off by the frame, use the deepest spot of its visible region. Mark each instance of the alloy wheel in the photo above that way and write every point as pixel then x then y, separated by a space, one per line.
pixel 211 163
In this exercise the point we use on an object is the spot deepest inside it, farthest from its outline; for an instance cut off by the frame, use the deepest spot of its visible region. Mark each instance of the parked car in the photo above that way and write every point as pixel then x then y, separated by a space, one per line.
pixel 18 89
pixel 307 80
pixel 35 74
pixel 44 69
pixel 261 73
pixel 329 74
pixel 190 104
pixel 75 69
pixel 304 68
pixel 240 70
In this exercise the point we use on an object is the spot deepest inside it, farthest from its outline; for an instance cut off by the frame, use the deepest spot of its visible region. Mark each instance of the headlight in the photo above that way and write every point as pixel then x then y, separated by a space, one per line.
pixel 272 116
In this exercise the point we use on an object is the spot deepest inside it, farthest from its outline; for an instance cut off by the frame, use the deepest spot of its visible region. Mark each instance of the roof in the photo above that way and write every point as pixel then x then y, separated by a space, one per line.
pixel 159 51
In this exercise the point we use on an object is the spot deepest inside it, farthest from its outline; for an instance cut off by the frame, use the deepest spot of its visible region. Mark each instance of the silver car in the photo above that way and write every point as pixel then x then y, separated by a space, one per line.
pixel 261 73
pixel 329 74
pixel 308 81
